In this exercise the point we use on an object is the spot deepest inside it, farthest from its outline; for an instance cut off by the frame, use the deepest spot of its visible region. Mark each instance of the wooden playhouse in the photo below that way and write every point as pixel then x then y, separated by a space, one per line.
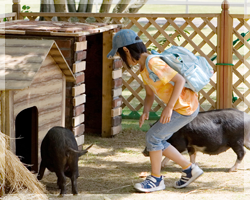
pixel 33 76
pixel 93 100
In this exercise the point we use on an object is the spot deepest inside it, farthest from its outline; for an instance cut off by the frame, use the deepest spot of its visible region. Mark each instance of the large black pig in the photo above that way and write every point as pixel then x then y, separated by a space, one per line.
pixel 59 153
pixel 213 132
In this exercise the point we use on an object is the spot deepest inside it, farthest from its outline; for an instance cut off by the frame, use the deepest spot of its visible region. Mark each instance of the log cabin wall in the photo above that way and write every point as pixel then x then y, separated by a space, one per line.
pixel 46 92
pixel 47 95
pixel 33 89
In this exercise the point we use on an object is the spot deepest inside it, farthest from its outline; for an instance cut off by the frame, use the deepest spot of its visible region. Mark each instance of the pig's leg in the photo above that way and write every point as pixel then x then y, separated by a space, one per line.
pixel 41 171
pixel 164 162
pixel 73 168
pixel 61 182
pixel 74 183
pixel 239 150
pixel 192 157
pixel 192 154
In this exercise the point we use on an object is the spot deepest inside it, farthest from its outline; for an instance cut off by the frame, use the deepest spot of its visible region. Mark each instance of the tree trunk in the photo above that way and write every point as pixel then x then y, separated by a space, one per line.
pixel 105 7
pixel 47 6
pixel 136 6
pixel 61 6
pixel 82 6
pixel 71 5
pixel 90 6
pixel 133 8
pixel 72 8
pixel 121 6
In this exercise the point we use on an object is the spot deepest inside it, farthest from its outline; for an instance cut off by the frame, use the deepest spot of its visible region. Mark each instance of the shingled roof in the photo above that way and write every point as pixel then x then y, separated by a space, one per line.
pixel 21 59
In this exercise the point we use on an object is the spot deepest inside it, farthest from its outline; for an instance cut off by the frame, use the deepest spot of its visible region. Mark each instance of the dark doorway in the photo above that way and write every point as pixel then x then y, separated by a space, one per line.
pixel 93 83
pixel 27 137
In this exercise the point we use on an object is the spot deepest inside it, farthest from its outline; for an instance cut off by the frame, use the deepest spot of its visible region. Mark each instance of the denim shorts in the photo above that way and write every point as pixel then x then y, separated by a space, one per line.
pixel 158 134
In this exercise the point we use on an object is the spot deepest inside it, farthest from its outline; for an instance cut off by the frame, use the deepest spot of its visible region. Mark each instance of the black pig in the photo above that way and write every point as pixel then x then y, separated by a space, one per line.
pixel 213 132
pixel 59 153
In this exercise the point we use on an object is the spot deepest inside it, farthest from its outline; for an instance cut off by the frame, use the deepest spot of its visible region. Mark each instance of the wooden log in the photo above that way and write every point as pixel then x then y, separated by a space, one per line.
pixel 117 74
pixel 117 82
pixel 117 64
pixel 117 92
pixel 78 120
pixel 80 78
pixel 78 110
pixel 115 130
pixel 117 102
pixel 80 140
pixel 80 46
pixel 79 130
pixel 116 111
pixel 78 67
pixel 80 89
pixel 116 120
pixel 79 100
pixel 80 55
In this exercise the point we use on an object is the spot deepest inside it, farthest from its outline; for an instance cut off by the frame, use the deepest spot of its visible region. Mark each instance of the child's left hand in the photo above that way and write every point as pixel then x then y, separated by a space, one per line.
pixel 166 115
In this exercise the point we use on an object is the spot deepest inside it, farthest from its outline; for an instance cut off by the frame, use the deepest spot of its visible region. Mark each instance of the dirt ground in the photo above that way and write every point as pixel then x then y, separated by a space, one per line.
pixel 113 166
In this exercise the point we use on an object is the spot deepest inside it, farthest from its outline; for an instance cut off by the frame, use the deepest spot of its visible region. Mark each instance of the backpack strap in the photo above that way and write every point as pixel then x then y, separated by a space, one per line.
pixel 152 75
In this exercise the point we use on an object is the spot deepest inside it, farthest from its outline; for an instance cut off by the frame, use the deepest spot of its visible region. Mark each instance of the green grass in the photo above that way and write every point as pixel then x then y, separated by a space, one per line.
pixel 133 124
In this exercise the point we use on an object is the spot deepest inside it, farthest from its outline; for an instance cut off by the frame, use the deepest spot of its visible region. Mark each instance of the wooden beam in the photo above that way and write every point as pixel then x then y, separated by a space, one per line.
pixel 115 130
pixel 117 92
pixel 224 72
pixel 107 85
pixel 80 140
pixel 79 46
pixel 63 100
pixel 3 118
pixel 9 118
pixel 79 100
pixel 116 111
pixel 80 89
pixel 78 67
pixel 79 130
pixel 117 74
pixel 78 120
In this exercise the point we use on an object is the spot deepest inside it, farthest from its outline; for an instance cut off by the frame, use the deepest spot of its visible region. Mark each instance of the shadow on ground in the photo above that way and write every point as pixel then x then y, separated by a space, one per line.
pixel 113 165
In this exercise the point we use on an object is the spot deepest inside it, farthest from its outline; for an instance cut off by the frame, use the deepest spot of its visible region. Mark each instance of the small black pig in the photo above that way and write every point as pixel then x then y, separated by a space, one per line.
pixel 213 132
pixel 59 153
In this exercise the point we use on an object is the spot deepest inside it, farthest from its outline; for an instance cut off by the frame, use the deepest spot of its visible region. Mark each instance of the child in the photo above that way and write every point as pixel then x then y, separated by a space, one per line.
pixel 182 106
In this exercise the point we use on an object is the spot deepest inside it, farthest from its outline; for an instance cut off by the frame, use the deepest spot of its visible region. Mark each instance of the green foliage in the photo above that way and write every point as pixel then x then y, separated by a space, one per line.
pixel 164 40
pixel 25 9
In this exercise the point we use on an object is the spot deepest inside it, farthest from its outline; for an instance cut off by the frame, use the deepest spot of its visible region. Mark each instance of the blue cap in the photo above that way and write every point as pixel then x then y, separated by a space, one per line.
pixel 123 38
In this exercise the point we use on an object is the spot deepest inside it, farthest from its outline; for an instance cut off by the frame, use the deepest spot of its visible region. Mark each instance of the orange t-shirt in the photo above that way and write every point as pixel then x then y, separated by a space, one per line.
pixel 187 102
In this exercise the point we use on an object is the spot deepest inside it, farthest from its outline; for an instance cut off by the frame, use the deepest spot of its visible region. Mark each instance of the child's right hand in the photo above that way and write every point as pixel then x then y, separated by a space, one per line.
pixel 143 117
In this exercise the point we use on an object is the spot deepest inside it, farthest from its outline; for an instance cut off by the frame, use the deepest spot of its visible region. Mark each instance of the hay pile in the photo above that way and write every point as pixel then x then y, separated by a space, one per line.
pixel 15 178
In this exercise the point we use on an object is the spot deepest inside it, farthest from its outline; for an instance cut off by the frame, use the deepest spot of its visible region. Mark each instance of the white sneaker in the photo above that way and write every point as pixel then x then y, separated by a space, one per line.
pixel 151 184
pixel 188 176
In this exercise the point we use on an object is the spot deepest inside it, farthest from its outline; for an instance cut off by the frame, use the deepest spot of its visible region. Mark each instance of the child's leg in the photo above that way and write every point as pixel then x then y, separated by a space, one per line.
pixel 173 154
pixel 155 159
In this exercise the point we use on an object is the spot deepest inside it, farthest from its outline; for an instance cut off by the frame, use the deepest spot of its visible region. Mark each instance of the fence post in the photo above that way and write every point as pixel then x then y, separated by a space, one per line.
pixel 16 7
pixel 225 58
